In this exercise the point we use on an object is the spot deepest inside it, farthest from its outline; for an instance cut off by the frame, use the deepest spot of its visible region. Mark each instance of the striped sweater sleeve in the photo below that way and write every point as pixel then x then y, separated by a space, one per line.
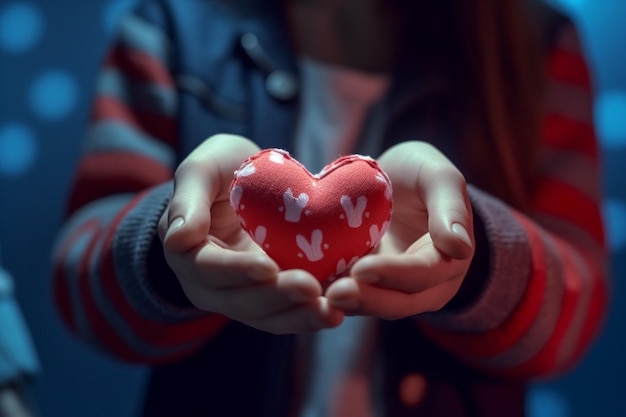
pixel 121 188
pixel 546 294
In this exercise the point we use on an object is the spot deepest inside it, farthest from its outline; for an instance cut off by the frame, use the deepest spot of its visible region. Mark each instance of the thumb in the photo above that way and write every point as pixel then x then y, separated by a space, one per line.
pixel 450 220
pixel 202 178
pixel 421 172
pixel 189 210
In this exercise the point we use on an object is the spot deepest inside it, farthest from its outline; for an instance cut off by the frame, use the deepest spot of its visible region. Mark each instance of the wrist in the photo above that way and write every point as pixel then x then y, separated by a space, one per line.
pixel 162 277
pixel 477 274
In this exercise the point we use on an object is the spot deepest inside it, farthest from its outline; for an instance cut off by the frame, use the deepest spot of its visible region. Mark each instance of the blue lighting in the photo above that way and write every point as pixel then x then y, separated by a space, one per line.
pixel 610 115
pixel 21 26
pixel 572 6
pixel 615 218
pixel 543 402
pixel 112 13
pixel 18 150
pixel 53 95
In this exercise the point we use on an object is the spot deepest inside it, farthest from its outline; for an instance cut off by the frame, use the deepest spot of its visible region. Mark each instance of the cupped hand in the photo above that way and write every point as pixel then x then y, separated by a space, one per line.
pixel 220 268
pixel 424 256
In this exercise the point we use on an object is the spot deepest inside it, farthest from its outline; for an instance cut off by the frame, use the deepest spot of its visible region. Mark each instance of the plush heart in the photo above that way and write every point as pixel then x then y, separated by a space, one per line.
pixel 321 223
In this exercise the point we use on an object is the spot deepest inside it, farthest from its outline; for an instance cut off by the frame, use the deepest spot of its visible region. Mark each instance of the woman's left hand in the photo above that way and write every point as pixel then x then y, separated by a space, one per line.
pixel 423 258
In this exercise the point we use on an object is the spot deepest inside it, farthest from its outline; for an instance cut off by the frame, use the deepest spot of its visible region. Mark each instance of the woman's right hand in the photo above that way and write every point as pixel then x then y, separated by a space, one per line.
pixel 220 268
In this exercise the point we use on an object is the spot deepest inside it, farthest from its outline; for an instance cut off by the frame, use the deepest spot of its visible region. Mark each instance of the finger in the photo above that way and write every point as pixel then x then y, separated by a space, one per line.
pixel 419 169
pixel 198 182
pixel 262 300
pixel 357 298
pixel 307 318
pixel 300 285
pixel 363 299
pixel 449 212
pixel 213 267
pixel 408 273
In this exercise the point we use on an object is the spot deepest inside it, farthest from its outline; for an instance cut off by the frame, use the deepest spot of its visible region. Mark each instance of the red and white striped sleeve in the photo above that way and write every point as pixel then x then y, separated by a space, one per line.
pixel 121 188
pixel 545 298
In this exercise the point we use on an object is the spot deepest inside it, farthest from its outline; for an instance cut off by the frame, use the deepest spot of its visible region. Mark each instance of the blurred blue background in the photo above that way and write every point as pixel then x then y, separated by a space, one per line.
pixel 49 53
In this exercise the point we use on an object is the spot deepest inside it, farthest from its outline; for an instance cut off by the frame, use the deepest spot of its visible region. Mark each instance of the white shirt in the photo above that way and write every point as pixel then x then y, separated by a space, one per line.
pixel 334 105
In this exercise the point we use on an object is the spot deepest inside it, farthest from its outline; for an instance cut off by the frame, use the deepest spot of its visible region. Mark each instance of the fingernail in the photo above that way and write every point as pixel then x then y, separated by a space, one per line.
pixel 174 226
pixel 461 232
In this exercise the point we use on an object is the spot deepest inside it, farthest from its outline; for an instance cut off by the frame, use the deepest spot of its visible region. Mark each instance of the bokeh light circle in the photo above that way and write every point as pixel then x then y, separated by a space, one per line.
pixel 21 26
pixel 615 223
pixel 18 150
pixel 112 13
pixel 53 95
pixel 545 402
pixel 610 118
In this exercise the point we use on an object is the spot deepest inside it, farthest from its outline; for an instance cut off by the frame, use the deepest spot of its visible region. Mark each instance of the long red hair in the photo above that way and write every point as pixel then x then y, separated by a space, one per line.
pixel 503 93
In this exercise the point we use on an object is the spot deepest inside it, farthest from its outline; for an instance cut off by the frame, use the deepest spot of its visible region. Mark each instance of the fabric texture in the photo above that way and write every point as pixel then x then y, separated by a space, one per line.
pixel 321 223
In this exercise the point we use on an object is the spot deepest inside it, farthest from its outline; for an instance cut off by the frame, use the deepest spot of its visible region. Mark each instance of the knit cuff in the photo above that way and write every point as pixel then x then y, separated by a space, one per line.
pixel 140 263
pixel 509 268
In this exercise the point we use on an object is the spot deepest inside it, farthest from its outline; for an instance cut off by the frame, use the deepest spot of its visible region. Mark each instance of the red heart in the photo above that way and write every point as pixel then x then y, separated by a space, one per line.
pixel 320 223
